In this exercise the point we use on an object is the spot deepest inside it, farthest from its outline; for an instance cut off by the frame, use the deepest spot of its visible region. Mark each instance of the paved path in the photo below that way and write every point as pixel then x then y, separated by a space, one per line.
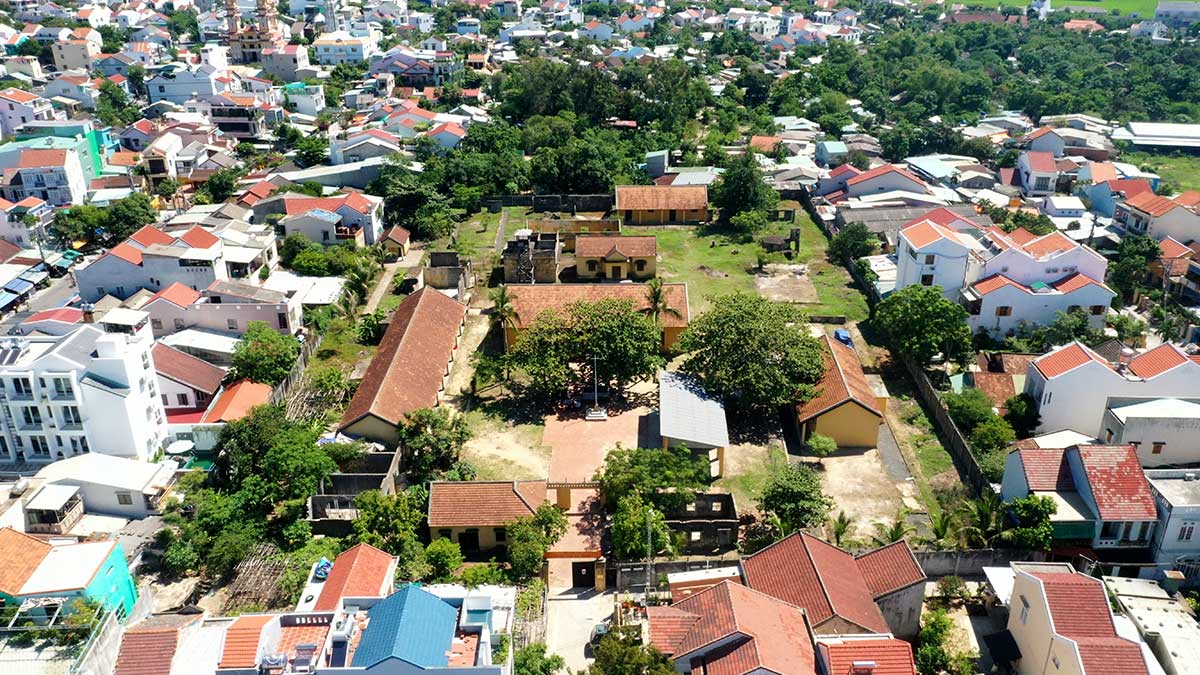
pixel 499 243
pixel 569 622
pixel 390 270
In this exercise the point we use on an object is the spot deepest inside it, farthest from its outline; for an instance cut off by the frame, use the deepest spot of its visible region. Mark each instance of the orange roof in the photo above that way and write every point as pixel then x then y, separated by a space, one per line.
pixel 127 252
pixel 37 159
pixel 1075 282
pixel 1033 135
pixel 843 381
pixel 1102 172
pixel 661 197
pixel 177 294
pixel 765 143
pixel 1173 248
pixel 1151 204
pixel 237 400
pixel 148 236
pixel 1054 242
pixel 889 655
pixel 21 554
pixel 531 301
pixel 359 571
pixel 923 233
pixel 241 641
pixel 883 171
pixel 198 237
pixel 995 282
pixel 483 503
pixel 602 246
pixel 124 158
pixel 1066 359
pixel 1189 198
pixel 1157 361
pixel 18 95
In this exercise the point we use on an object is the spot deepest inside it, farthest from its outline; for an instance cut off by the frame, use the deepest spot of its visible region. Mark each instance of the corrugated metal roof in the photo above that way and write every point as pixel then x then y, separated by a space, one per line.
pixel 411 625
pixel 688 413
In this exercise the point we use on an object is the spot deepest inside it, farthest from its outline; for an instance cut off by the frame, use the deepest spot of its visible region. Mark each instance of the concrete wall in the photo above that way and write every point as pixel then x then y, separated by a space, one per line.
pixel 1180 438
pixel 593 268
pixel 968 563
pixel 663 216
pixel 902 610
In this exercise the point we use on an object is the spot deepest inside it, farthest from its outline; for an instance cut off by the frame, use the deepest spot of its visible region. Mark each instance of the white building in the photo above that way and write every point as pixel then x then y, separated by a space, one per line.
pixel 1074 386
pixel 1006 280
pixel 1177 497
pixel 224 306
pixel 92 390
pixel 1165 431
pixel 179 84
pixel 1038 173
pixel 51 175
pixel 18 106
pixel 342 47
pixel 114 486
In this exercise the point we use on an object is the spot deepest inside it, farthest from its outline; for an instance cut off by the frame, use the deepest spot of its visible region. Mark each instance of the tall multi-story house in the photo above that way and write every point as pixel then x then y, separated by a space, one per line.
pixel 178 84
pixel 15 228
pixel 91 390
pixel 417 67
pixel 1160 217
pixel 18 106
pixel 1061 622
pixel 1177 498
pixel 1074 386
pixel 78 51
pixel 1006 280
pixel 153 260
pixel 343 47
pixel 1038 173
pixel 225 306
pixel 54 176
pixel 288 62
pixel 237 115
pixel 361 216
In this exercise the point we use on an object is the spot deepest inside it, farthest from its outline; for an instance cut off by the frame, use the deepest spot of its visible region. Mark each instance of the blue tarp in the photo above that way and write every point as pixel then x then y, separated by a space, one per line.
pixel 6 299
pixel 18 286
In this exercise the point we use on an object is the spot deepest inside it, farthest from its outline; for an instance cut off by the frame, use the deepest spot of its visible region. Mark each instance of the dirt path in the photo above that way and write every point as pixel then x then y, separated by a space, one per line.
pixel 858 485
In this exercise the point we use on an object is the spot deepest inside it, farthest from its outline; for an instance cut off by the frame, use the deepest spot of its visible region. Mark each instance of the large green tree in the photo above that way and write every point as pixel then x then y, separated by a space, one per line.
pixel 742 188
pixel 794 496
pixel 667 478
pixel 753 352
pixel 431 440
pixel 637 525
pixel 921 323
pixel 264 354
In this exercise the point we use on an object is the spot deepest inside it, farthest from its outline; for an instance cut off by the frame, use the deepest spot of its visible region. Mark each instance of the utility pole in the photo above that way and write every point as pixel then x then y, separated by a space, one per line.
pixel 649 556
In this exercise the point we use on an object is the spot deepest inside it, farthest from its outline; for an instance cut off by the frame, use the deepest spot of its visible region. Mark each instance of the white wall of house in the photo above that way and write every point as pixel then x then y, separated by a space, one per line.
pixel 1031 626
pixel 1019 266
pixel 1160 441
pixel 1178 532
pixel 943 263
pixel 887 182
pixel 1009 308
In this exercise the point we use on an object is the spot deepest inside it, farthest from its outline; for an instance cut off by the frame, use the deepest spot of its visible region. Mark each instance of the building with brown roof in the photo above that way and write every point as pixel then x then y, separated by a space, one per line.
pixel 662 204
pixel 409 369
pixel 846 408
pixel 879 591
pixel 475 514
pixel 615 258
pixel 359 571
pixel 150 646
pixel 530 301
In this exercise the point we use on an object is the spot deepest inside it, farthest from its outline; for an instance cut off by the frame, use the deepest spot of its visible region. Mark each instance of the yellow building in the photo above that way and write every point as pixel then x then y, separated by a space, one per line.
pixel 615 258
pixel 845 407
pixel 396 241
pixel 662 204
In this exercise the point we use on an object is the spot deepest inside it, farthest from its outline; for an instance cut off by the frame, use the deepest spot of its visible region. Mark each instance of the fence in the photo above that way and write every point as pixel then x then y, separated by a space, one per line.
pixel 531 628
pixel 627 575
pixel 972 561
pixel 551 202
pixel 280 392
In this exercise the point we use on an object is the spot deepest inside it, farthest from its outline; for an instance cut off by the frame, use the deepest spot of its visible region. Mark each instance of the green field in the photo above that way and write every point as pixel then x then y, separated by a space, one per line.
pixel 1142 8
pixel 1181 172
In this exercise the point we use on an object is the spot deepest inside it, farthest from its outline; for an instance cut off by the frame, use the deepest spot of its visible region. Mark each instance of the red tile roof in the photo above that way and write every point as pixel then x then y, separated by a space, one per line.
pixel 127 252
pixel 735 630
pixel 1189 198
pixel 1046 470
pixel 354 200
pixel 1048 244
pixel 18 95
pixel 359 571
pixel 1157 361
pixel 63 314
pixel 1130 187
pixel 816 576
pixel 1076 281
pixel 765 143
pixel 1066 359
pixel 186 369
pixel 842 382
pixel 883 171
pixel 890 568
pixel 397 234
pixel 483 503
pixel 531 301
pixel 924 232
pixel 844 169
pixel 1079 611
pixel 1102 172
pixel 241 641
pixel 1151 204
pixel 995 282
pixel 148 236
pixel 890 656
pixel 1038 133
pixel 148 647
pixel 407 370
pixel 661 197
pixel 1041 162
pixel 37 159
pixel 1173 248
pixel 177 294
pixel 603 246
pixel 198 237
pixel 1117 483
pixel 21 554
pixel 237 400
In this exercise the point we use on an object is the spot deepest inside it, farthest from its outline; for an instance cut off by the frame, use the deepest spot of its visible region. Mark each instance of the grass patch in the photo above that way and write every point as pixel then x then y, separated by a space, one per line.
pixel 477 235
pixel 1142 8
pixel 1182 172
pixel 745 479
pixel 340 348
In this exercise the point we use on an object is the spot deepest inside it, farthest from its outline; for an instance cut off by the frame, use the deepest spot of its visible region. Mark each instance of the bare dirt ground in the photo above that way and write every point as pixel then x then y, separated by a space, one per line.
pixel 858 485
pixel 786 283
pixel 462 371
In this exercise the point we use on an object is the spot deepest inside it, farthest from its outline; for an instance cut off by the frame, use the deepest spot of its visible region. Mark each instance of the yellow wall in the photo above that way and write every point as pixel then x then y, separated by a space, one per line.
pixel 628 268
pixel 487 535
pixel 849 424
pixel 662 217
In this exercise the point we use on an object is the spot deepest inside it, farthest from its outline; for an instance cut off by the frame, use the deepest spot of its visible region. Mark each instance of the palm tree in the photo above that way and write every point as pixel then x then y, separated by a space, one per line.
pixel 890 533
pixel 504 314
pixel 839 527
pixel 359 278
pixel 984 522
pixel 943 532
pixel 656 301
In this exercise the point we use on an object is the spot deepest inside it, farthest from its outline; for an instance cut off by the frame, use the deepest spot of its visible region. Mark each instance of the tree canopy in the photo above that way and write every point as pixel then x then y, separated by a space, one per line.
pixel 264 354
pixel 921 323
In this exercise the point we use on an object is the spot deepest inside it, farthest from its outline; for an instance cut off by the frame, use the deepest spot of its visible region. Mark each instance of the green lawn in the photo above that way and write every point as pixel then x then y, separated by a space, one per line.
pixel 711 264
pixel 1182 172
pixel 1143 8
pixel 478 234
pixel 746 480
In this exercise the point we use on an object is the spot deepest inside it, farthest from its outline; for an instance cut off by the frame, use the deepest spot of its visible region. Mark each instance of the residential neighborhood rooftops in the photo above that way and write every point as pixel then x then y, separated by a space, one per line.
pixel 359 571
pixel 1117 483
pixel 186 369
pixel 237 400
pixel 531 301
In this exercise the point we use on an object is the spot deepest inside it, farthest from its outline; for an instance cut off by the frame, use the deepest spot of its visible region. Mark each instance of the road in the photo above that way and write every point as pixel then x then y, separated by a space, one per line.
pixel 569 621
pixel 59 293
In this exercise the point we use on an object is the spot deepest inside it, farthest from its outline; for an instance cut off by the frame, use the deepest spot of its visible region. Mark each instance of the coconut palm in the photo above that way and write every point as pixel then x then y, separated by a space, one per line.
pixel 359 278
pixel 984 522
pixel 943 532
pixel 839 527
pixel 656 301
pixel 504 314
pixel 890 533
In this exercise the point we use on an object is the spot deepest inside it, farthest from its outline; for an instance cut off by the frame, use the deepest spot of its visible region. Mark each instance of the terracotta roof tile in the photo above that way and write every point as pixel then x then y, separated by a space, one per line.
pixel 925 232
pixel 882 171
pixel 661 197
pixel 241 641
pixel 1041 162
pixel 1152 204
pixel 407 369
pixel 63 314
pixel 1102 172
pixel 1074 282
pixel 889 568
pixel 148 236
pixel 397 234
pixel 604 246
pixel 1079 611
pixel 198 237
pixel 37 159
pixel 764 143
pixel 843 381
pixel 1046 469
pixel 1117 483
pixel 890 656
pixel 177 294
pixel 483 503
pixel 237 400
pixel 186 369
pixel 1157 361
pixel 816 576
pixel 1066 359
pixel 21 554
pixel 1130 187
pixel 669 626
pixel 359 571
pixel 148 647
pixel 1173 248
pixel 531 301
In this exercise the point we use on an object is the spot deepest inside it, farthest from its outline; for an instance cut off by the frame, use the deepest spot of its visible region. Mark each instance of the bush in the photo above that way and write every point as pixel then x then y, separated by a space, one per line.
pixel 483 575
pixel 821 445
pixel 311 262
pixel 952 588
pixel 969 409
pixel 444 557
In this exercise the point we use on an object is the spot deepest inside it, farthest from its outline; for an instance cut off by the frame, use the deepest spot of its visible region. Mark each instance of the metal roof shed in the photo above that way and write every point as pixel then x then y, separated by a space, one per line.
pixel 688 415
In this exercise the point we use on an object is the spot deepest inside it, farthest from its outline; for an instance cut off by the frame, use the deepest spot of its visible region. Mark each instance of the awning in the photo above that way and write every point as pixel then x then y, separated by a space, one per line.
pixel 1002 647
pixel 35 277
pixel 18 286
pixel 63 262
pixel 6 299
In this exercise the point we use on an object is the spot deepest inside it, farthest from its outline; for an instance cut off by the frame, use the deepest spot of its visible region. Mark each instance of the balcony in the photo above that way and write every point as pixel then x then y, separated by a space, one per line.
pixel 56 509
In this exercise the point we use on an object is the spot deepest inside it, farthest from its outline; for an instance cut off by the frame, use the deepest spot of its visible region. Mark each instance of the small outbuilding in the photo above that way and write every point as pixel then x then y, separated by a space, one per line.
pixel 846 408
pixel 688 416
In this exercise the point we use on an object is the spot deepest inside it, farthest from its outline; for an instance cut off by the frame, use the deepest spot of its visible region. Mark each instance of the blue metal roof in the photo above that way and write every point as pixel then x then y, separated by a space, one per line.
pixel 18 286
pixel 412 625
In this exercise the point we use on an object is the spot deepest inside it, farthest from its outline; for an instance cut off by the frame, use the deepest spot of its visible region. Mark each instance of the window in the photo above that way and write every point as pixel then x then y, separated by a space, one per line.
pixel 71 415
pixel 926 279
pixel 640 265
pixel 1186 531
pixel 695 535
pixel 178 324
pixel 1108 435
pixel 1073 308
pixel 182 399
pixel 40 446
pixel 1110 530
pixel 1024 610
pixel 591 265
pixel 1097 310
pixel 929 258
pixel 1156 448
pixel 231 323
pixel 165 400
pixel 282 318
pixel 31 416
pixel 124 498
pixel 1004 310
pixel 22 386
pixel 501 535
pixel 156 324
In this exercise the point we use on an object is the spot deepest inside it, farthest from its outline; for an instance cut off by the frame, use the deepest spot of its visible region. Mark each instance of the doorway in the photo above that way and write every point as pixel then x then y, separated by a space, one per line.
pixel 468 541
pixel 581 575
